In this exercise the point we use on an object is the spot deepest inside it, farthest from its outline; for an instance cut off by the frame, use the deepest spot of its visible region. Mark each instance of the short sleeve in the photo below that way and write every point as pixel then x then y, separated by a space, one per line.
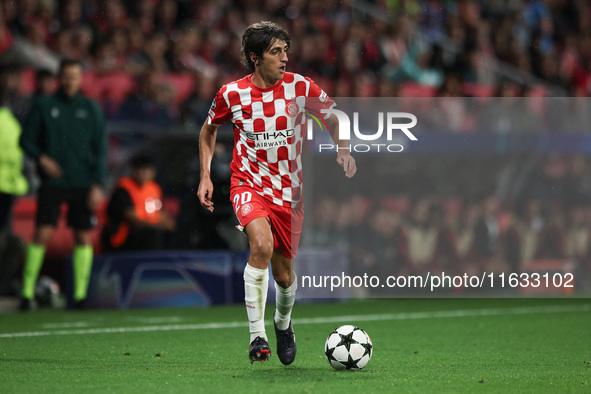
pixel 219 113
pixel 324 101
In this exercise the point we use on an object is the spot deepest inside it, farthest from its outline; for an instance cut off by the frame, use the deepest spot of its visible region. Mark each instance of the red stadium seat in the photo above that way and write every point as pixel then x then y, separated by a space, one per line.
pixel 182 84
pixel 27 81
pixel 478 90
pixel 412 89
pixel 395 203
pixel 538 91
pixel 116 87
pixel 90 86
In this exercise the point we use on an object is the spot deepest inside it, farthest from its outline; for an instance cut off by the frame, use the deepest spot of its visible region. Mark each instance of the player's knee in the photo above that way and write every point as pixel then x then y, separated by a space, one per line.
pixel 282 278
pixel 283 283
pixel 261 249
pixel 42 235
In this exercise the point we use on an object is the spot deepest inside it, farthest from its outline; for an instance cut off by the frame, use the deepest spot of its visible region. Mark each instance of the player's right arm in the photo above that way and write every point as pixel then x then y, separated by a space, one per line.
pixel 218 114
pixel 29 141
pixel 207 139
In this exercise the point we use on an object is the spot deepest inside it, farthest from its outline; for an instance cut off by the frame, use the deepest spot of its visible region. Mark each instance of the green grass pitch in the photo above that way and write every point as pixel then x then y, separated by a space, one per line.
pixel 420 346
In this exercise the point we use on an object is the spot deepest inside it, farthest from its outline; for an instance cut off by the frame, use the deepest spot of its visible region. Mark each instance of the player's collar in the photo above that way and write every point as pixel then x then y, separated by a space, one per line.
pixel 270 88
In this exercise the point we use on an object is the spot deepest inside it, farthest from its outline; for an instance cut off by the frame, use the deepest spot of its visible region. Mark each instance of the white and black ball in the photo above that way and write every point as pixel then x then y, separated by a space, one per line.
pixel 348 348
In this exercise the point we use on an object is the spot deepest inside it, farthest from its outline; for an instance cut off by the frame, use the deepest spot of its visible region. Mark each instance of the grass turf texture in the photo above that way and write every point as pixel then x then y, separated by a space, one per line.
pixel 428 345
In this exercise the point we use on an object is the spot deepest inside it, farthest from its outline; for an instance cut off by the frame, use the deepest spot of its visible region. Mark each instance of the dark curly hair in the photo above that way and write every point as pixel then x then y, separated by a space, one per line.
pixel 258 38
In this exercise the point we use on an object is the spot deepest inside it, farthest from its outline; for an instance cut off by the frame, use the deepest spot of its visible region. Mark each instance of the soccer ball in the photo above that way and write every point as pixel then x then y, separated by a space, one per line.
pixel 348 347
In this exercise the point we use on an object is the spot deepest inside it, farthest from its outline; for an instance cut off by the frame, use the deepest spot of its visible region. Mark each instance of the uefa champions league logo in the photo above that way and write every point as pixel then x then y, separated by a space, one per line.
pixel 391 119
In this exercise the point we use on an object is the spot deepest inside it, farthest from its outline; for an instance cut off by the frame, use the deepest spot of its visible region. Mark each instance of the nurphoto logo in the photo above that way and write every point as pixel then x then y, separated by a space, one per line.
pixel 393 127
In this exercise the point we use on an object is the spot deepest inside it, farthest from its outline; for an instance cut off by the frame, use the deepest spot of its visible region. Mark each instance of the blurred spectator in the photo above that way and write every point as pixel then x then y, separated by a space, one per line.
pixel 152 101
pixel 82 41
pixel 194 109
pixel 503 116
pixel 452 112
pixel 32 50
pixel 135 217
pixel 105 58
pixel 184 54
pixel 551 241
pixel 394 44
pixel 422 238
pixel 577 181
pixel 320 232
pixel 6 38
pixel 143 14
pixel 487 232
pixel 152 57
pixel 45 83
pixel 137 41
pixel 110 16
pixel 62 43
pixel 11 82
pixel 415 67
pixel 166 16
pixel 446 255
pixel 530 225
pixel 511 244
pixel 465 242
pixel 382 248
pixel 70 15
pixel 577 239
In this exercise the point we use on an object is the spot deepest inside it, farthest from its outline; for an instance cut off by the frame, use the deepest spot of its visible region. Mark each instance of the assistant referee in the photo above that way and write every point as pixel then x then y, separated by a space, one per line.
pixel 65 134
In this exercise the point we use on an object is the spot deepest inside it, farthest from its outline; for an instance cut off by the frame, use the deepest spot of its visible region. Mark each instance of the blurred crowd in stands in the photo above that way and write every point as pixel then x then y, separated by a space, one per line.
pixel 163 60
pixel 409 234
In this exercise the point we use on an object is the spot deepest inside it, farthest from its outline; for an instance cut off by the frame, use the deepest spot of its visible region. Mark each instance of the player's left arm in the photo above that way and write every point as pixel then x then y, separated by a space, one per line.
pixel 344 157
pixel 207 139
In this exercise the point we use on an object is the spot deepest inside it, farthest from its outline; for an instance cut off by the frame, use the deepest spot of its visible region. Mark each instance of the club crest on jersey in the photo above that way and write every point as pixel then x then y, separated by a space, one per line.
pixel 292 109
pixel 246 209
pixel 213 104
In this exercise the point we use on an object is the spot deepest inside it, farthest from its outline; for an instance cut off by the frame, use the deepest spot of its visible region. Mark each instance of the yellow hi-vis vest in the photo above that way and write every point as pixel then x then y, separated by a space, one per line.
pixel 12 180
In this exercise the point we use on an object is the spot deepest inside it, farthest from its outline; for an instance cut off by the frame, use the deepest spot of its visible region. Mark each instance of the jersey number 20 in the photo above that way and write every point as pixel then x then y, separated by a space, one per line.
pixel 241 199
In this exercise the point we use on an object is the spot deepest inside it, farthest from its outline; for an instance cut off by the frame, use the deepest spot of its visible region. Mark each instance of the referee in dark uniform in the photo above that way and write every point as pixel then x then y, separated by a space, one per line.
pixel 65 134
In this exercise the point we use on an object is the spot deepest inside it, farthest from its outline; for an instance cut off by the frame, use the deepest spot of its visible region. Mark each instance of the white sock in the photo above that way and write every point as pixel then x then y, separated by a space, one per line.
pixel 284 300
pixel 256 282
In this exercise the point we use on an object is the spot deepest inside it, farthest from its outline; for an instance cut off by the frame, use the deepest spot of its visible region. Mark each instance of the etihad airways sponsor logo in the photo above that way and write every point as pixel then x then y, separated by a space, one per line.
pixel 270 139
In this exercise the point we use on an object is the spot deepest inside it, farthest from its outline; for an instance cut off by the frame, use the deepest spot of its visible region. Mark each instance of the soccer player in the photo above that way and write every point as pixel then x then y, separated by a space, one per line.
pixel 66 134
pixel 266 184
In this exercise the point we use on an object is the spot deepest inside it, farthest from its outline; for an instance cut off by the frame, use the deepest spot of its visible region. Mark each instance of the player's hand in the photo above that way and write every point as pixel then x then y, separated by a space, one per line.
pixel 50 167
pixel 95 197
pixel 205 193
pixel 167 223
pixel 347 161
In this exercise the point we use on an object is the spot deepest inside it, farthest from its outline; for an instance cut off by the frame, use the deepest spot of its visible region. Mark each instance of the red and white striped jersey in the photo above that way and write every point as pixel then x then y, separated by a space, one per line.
pixel 269 128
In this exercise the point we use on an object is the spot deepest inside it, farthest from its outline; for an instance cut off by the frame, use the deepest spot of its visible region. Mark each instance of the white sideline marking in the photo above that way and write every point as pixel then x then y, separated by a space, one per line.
pixel 76 324
pixel 155 320
pixel 319 320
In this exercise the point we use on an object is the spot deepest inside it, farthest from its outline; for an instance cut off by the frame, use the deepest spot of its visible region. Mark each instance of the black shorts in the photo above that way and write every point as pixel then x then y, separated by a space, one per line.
pixel 50 199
